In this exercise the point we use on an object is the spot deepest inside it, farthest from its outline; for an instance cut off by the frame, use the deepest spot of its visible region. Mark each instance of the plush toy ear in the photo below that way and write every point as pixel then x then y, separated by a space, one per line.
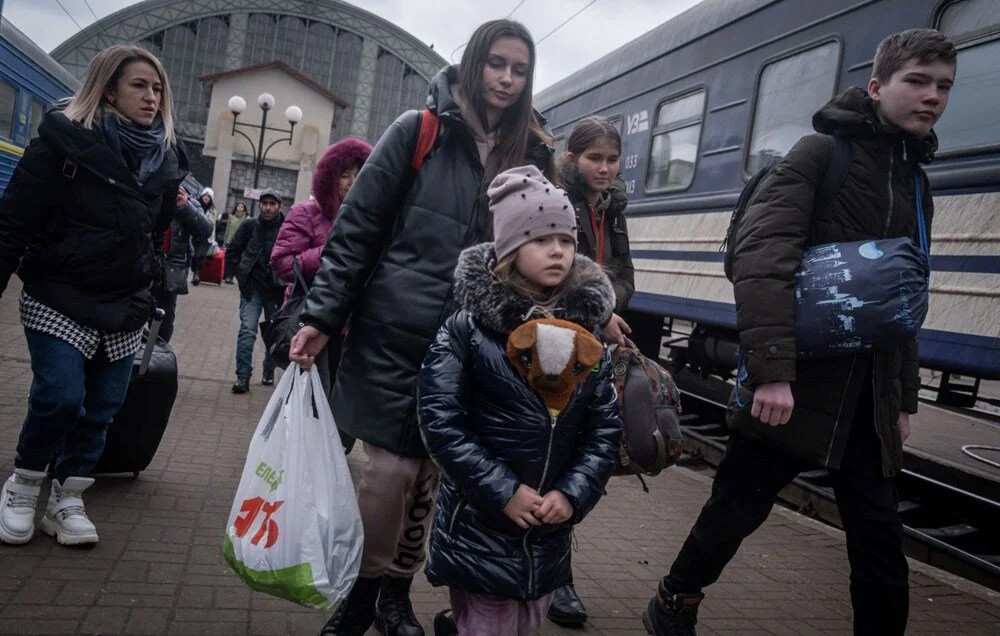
pixel 523 337
pixel 588 350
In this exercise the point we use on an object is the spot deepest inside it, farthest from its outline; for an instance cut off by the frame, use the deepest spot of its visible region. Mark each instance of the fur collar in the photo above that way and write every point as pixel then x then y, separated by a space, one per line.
pixel 589 299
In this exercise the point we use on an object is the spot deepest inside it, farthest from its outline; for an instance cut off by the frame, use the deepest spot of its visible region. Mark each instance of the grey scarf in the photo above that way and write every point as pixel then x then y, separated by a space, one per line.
pixel 147 143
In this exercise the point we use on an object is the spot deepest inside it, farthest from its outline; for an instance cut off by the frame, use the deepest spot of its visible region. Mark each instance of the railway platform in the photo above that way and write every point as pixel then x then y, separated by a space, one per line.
pixel 935 449
pixel 159 568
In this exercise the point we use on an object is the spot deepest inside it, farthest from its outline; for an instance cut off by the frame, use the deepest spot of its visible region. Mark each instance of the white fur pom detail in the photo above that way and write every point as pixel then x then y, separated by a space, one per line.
pixel 555 348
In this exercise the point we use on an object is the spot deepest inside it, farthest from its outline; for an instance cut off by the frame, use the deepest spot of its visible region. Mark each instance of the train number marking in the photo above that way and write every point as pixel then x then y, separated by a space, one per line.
pixel 637 122
pixel 630 161
pixel 630 186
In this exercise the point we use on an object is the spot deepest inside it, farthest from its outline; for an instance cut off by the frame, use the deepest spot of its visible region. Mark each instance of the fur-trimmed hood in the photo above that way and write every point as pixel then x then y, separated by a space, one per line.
pixel 588 301
pixel 337 158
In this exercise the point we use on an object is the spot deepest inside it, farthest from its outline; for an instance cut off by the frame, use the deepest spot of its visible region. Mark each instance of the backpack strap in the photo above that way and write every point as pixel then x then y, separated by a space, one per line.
pixel 429 126
pixel 840 153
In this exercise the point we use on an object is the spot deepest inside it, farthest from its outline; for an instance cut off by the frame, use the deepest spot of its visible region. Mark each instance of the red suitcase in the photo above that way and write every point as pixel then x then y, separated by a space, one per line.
pixel 214 268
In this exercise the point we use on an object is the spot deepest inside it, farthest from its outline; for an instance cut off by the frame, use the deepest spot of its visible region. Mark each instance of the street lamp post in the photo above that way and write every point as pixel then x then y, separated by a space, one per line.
pixel 293 114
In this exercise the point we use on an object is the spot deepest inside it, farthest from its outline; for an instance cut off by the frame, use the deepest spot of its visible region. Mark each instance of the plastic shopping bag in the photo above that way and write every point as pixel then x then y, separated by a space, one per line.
pixel 294 530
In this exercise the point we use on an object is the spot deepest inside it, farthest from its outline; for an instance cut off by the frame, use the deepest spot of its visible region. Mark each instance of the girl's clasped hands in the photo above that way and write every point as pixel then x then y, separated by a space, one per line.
pixel 527 508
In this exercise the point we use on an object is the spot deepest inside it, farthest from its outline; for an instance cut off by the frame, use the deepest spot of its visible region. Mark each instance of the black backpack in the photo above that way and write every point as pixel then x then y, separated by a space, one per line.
pixel 841 152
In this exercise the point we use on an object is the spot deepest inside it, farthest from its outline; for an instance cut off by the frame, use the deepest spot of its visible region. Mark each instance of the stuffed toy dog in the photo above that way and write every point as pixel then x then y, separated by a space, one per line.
pixel 554 356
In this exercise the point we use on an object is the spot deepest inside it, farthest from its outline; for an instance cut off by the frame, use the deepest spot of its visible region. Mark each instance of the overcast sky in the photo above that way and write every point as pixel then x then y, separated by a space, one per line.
pixel 599 29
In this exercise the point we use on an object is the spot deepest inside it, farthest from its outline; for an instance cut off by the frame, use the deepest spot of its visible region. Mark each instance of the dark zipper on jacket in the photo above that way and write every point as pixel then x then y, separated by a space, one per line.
pixel 553 420
pixel 888 216
pixel 840 408
pixel 454 515
pixel 875 413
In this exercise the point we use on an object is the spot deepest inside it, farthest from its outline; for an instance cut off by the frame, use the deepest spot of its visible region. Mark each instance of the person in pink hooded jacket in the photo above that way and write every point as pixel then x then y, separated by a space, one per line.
pixel 304 232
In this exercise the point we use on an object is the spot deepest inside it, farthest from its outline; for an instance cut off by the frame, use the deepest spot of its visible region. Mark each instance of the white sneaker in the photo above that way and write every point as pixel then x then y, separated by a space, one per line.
pixel 65 517
pixel 17 505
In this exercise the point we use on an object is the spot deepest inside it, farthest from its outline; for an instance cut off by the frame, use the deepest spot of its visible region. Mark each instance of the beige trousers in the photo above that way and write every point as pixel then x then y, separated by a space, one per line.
pixel 396 497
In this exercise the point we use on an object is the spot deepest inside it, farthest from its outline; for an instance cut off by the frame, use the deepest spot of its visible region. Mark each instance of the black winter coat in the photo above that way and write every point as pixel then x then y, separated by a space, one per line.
pixel 876 201
pixel 79 230
pixel 388 264
pixel 489 432
pixel 189 224
pixel 249 255
pixel 617 254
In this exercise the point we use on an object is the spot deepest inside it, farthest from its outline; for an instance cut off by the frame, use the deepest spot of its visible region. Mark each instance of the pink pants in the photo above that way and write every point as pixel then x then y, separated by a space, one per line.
pixel 484 615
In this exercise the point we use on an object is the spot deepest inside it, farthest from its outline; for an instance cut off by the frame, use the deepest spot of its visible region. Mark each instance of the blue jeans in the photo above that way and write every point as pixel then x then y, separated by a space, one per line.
pixel 70 405
pixel 250 311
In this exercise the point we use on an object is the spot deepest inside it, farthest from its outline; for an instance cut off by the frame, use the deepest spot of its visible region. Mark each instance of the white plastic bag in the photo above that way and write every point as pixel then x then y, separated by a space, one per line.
pixel 294 530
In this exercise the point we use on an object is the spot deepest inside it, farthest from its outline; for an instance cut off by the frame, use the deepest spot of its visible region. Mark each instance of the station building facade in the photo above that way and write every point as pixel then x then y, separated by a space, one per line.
pixel 373 67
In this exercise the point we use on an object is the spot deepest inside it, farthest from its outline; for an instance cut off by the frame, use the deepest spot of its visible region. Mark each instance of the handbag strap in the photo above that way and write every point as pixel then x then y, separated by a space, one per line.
pixel 300 280
pixel 921 224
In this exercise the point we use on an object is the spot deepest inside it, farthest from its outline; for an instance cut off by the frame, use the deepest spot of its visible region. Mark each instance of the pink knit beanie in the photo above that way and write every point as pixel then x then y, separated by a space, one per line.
pixel 526 205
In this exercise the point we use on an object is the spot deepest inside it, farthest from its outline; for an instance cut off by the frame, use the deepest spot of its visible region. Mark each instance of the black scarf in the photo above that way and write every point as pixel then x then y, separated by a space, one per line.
pixel 147 143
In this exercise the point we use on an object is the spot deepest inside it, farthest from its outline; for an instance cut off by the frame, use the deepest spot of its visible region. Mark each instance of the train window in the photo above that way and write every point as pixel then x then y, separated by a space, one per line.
pixel 968 16
pixel 674 145
pixel 790 90
pixel 37 108
pixel 8 102
pixel 972 119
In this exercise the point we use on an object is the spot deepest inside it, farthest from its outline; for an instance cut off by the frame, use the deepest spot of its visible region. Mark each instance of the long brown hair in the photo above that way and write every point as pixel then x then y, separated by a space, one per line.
pixel 547 298
pixel 102 75
pixel 519 121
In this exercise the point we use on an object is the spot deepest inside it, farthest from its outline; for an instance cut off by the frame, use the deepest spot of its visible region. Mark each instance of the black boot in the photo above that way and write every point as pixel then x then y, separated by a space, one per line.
pixel 242 385
pixel 670 614
pixel 355 614
pixel 444 624
pixel 567 609
pixel 394 614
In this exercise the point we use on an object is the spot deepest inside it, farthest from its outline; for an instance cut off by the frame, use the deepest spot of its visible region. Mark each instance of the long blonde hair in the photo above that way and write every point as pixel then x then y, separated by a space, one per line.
pixel 102 75
pixel 546 299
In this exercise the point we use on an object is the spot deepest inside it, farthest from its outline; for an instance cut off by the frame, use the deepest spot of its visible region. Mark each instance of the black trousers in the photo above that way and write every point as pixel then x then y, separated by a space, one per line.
pixel 745 488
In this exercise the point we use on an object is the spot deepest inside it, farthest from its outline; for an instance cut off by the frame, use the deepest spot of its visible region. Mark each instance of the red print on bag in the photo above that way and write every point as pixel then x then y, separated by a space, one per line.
pixel 249 511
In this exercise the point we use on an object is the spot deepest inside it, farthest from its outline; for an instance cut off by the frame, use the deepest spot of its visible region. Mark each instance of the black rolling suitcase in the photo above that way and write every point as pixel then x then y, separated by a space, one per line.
pixel 135 433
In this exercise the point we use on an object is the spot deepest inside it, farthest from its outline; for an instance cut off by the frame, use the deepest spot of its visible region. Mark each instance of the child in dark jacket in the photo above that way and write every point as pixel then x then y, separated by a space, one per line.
pixel 523 455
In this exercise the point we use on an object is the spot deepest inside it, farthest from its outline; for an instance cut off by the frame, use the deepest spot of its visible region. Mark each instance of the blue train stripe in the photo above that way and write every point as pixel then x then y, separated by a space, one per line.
pixel 944 350
pixel 975 264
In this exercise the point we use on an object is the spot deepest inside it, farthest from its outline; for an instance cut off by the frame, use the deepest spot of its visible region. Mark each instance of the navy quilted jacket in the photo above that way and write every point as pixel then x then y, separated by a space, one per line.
pixel 489 432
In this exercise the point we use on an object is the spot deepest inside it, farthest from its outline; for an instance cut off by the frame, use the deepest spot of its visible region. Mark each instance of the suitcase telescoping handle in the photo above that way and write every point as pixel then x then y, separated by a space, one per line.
pixel 154 330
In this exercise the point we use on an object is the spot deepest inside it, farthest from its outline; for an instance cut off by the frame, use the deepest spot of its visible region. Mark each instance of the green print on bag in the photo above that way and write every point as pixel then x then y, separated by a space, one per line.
pixel 270 476
pixel 293 583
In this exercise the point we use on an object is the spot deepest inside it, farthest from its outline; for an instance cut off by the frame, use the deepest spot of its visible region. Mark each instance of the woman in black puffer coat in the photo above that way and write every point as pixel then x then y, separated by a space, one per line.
pixel 80 223
pixel 388 266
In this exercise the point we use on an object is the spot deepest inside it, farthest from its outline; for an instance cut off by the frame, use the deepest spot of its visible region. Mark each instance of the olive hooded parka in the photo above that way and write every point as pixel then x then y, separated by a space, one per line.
pixel 876 200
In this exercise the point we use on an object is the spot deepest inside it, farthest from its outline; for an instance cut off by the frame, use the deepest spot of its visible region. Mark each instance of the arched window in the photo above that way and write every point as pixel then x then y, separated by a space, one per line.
pixel 347 62
pixel 291 40
pixel 385 94
pixel 320 57
pixel 261 29
pixel 414 91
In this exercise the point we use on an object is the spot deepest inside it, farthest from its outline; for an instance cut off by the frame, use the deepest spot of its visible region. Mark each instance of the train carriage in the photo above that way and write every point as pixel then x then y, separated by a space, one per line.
pixel 711 96
pixel 30 82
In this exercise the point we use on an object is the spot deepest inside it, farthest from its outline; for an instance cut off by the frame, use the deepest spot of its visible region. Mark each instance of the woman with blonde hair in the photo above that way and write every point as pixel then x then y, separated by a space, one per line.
pixel 80 222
